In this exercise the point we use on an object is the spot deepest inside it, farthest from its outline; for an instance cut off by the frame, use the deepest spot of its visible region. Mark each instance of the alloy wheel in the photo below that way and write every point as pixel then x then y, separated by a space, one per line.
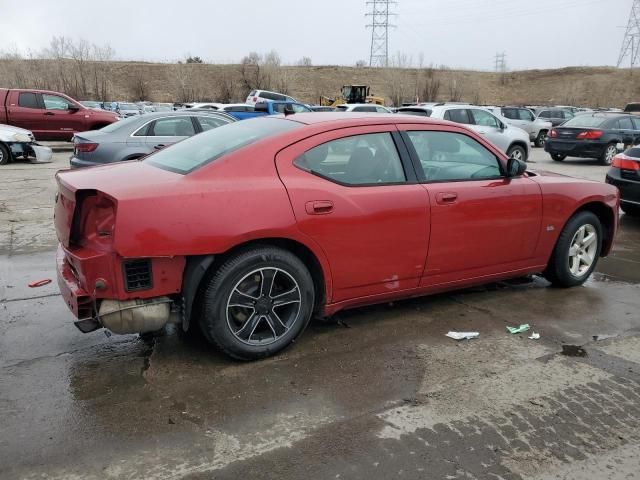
pixel 263 306
pixel 610 153
pixel 582 250
pixel 517 154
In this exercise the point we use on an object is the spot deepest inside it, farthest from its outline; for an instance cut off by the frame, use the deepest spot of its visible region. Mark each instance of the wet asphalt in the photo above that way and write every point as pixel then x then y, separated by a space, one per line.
pixel 376 393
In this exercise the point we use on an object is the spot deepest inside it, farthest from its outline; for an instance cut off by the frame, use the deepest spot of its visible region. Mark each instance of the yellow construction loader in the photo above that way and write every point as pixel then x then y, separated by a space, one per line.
pixel 352 94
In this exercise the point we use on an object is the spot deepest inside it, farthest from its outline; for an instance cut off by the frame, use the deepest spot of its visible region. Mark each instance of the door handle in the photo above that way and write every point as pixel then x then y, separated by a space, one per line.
pixel 446 198
pixel 319 207
pixel 159 146
pixel 49 113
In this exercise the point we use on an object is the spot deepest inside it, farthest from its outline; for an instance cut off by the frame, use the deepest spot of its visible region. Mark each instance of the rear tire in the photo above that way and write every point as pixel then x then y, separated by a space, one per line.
pixel 558 157
pixel 541 139
pixel 517 152
pixel 5 155
pixel 257 303
pixel 609 152
pixel 576 253
pixel 631 210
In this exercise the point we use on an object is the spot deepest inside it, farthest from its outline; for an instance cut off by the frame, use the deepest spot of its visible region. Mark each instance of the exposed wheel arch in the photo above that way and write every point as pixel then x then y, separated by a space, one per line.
pixel 202 267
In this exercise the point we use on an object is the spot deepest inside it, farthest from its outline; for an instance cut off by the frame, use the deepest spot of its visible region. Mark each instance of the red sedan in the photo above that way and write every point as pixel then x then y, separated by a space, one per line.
pixel 250 229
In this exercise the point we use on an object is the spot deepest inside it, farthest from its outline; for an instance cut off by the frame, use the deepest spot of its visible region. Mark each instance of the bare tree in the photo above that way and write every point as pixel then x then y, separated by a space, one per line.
pixel 399 87
pixel 361 64
pixel 139 86
pixel 102 56
pixel 80 53
pixel 304 62
pixel 455 90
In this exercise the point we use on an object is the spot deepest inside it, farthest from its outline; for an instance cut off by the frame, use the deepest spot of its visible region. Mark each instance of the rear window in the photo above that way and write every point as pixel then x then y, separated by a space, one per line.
pixel 420 112
pixel 633 152
pixel 120 124
pixel 632 107
pixel 188 155
pixel 585 121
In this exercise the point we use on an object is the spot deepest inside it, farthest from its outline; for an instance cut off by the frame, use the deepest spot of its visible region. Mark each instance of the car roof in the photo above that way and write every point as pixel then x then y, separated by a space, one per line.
pixel 347 119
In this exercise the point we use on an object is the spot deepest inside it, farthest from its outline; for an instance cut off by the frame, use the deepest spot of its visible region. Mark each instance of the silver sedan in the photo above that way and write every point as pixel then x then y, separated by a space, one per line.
pixel 141 135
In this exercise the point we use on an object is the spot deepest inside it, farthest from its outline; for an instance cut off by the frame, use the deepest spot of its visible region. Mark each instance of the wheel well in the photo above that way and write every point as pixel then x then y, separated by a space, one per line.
pixel 607 219
pixel 520 144
pixel 297 248
pixel 133 156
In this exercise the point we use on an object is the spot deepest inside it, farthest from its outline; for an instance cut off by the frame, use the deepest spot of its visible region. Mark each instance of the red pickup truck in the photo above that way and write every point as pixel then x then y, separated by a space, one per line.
pixel 49 115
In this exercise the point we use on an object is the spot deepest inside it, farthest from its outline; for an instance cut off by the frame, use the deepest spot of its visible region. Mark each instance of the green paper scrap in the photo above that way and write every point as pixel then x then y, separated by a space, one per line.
pixel 522 328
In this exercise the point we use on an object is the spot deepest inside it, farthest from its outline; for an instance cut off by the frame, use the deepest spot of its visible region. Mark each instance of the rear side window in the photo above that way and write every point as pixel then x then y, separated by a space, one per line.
pixel 524 114
pixel 172 127
pixel 545 114
pixel 625 124
pixel 369 159
pixel 485 119
pixel 28 100
pixel 459 115
pixel 272 96
pixel 192 153
pixel 636 123
pixel 447 156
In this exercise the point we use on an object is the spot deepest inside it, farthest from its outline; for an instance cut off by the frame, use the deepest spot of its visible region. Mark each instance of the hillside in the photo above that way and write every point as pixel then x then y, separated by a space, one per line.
pixel 593 86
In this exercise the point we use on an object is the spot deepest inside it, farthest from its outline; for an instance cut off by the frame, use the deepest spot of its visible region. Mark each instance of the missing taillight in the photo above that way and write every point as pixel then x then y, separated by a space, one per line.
pixel 93 219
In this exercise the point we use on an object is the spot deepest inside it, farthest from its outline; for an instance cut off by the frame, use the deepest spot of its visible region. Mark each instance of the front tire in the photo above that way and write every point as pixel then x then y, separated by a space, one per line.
pixel 257 303
pixel 609 152
pixel 576 252
pixel 558 157
pixel 5 155
pixel 517 152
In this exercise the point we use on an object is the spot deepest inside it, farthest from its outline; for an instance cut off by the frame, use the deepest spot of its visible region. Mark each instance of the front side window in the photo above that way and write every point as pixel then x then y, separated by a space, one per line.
pixel 54 102
pixel 369 159
pixel 172 127
pixel 545 114
pixel 458 115
pixel 28 100
pixel 297 108
pixel 447 156
pixel 484 119
pixel 525 114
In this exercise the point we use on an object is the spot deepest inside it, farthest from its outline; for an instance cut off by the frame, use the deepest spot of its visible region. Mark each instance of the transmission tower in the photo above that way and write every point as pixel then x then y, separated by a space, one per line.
pixel 631 43
pixel 379 13
pixel 501 63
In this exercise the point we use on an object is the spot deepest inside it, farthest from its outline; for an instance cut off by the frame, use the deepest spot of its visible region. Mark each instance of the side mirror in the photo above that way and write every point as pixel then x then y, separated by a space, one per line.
pixel 73 108
pixel 515 167
pixel 503 126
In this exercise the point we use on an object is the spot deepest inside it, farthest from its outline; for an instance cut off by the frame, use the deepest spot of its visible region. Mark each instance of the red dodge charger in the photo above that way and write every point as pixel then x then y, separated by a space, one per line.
pixel 248 230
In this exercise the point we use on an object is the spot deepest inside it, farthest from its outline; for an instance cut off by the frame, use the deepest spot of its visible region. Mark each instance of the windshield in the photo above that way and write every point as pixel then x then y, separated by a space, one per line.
pixel 127 106
pixel 585 121
pixel 194 152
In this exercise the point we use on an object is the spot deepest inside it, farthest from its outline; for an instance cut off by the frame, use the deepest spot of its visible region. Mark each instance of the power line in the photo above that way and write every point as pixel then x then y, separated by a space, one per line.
pixel 631 43
pixel 379 14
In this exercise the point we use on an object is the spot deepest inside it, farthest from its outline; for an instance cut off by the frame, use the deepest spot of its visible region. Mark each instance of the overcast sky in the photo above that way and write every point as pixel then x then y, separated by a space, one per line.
pixel 456 33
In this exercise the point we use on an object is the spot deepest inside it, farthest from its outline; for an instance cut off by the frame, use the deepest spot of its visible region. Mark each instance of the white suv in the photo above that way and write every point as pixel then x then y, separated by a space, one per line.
pixel 256 96
pixel 525 119
pixel 512 140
